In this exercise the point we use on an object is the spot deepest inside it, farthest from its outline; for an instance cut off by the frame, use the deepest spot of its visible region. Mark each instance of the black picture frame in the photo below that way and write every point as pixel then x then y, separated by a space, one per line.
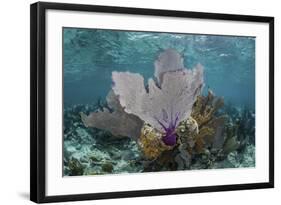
pixel 38 100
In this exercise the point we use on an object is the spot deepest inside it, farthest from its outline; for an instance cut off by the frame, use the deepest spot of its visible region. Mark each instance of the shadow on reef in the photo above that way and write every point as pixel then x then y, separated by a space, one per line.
pixel 215 136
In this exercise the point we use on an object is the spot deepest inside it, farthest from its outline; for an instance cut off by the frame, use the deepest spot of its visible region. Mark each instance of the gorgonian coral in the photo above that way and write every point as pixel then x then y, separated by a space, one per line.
pixel 116 121
pixel 170 60
pixel 166 102
pixel 163 104
pixel 211 127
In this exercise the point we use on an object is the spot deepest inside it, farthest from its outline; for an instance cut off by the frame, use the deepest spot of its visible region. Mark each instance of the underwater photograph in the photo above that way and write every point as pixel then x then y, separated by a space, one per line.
pixel 138 101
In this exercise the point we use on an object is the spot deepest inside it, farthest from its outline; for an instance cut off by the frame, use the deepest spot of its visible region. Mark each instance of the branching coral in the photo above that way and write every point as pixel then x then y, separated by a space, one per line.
pixel 205 107
pixel 210 126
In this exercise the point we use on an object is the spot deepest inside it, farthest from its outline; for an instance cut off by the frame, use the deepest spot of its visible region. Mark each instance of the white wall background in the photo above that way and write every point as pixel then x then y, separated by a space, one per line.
pixel 14 100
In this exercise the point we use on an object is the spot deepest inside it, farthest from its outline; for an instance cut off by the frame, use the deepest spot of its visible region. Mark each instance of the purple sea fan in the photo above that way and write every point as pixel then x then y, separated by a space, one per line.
pixel 118 122
pixel 169 60
pixel 163 104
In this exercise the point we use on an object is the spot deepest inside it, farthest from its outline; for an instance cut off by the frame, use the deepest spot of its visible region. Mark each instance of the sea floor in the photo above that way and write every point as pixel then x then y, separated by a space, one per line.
pixel 90 151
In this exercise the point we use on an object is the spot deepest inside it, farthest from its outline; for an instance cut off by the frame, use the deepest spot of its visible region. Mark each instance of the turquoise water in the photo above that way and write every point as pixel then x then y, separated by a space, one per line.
pixel 90 56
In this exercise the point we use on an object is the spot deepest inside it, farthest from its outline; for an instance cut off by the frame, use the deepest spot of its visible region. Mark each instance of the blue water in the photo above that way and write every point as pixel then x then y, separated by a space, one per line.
pixel 90 56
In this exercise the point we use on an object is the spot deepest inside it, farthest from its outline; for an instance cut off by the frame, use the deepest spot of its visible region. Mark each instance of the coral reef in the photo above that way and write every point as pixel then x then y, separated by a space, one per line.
pixel 200 134
pixel 239 129
pixel 96 149
pixel 91 151
pixel 166 125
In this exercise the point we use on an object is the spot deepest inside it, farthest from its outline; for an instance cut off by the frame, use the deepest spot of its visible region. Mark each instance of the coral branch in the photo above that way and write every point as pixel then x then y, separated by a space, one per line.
pixel 118 122
pixel 169 60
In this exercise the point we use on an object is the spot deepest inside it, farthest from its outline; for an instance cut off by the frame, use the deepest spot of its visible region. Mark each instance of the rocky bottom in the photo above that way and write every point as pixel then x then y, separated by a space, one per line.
pixel 89 151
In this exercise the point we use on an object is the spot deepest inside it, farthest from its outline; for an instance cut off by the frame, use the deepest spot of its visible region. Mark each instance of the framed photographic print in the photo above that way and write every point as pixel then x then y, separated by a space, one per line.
pixel 129 102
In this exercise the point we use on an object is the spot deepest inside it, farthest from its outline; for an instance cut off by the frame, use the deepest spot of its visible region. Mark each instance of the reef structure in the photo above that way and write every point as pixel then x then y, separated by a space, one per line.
pixel 169 118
